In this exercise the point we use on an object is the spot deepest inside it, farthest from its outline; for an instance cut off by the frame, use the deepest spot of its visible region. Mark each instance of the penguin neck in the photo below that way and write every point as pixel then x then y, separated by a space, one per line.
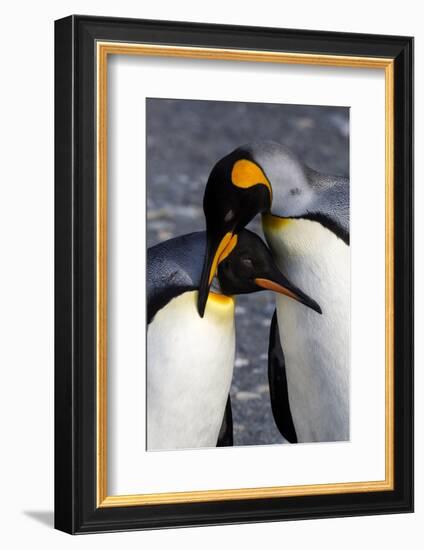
pixel 305 241
pixel 216 296
pixel 315 259
pixel 221 299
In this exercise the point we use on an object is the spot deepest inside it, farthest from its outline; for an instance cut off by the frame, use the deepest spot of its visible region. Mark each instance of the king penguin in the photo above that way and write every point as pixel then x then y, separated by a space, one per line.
pixel 306 224
pixel 190 360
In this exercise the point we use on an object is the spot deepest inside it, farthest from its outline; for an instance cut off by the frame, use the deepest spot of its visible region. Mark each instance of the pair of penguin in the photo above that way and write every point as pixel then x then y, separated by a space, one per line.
pixel 190 359
pixel 305 217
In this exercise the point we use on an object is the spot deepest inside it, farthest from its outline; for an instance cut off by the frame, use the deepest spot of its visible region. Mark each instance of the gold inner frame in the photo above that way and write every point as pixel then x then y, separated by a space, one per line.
pixel 103 50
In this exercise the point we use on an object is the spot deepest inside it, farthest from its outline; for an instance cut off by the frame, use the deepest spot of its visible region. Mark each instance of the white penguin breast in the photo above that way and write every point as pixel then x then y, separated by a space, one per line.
pixel 189 369
pixel 316 347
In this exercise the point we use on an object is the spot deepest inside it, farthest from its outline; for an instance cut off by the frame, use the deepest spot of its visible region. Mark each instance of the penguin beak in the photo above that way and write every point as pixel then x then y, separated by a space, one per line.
pixel 278 283
pixel 216 251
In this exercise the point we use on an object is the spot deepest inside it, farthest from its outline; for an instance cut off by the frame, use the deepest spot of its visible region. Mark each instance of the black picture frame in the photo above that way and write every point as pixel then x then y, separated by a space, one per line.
pixel 76 509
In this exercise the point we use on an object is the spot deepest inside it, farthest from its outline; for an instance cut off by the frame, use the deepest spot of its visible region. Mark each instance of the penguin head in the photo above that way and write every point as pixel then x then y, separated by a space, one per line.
pixel 255 178
pixel 237 189
pixel 249 267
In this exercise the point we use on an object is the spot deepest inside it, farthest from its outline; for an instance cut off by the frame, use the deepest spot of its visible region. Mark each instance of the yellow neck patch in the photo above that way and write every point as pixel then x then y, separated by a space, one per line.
pixel 270 222
pixel 221 299
pixel 246 173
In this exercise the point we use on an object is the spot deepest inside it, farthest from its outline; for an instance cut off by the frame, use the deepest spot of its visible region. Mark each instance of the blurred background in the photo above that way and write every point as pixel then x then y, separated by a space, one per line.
pixel 185 138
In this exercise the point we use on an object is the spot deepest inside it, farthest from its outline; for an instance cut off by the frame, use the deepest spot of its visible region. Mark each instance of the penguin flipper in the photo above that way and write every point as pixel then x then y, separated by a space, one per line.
pixel 225 438
pixel 173 267
pixel 278 384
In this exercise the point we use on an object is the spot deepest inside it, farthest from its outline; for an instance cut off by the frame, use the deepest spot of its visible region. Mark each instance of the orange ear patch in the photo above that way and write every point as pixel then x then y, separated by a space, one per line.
pixel 246 173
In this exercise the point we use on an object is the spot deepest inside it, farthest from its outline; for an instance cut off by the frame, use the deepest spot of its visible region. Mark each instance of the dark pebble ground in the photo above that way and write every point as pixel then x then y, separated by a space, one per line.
pixel 184 140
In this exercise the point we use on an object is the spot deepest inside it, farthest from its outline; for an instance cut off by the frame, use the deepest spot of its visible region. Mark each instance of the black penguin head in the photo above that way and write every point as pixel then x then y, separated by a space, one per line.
pixel 237 190
pixel 249 267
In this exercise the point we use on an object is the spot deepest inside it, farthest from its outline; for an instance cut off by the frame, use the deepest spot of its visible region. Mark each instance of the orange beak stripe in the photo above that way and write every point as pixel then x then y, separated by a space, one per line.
pixel 275 287
pixel 228 249
pixel 226 246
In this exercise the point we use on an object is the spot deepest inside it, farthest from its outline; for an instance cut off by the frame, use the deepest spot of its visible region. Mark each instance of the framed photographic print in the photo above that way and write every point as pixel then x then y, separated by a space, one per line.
pixel 234 271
